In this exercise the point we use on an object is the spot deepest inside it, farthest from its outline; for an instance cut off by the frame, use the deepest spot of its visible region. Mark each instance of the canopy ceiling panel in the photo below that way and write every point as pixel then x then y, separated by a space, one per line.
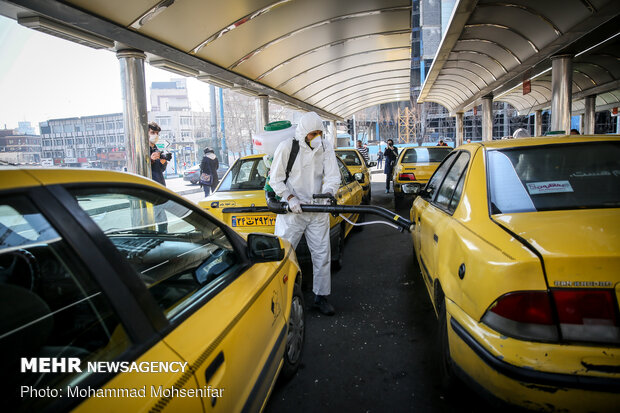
pixel 291 50
pixel 498 44
pixel 316 95
pixel 595 72
pixel 333 78
pixel 352 86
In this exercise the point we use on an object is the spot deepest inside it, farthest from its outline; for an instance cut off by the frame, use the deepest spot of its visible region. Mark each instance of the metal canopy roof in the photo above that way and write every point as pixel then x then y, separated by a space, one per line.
pixel 490 47
pixel 335 57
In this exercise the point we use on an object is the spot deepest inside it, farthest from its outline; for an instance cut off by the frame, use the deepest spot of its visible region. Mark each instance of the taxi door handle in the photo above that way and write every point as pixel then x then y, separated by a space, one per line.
pixel 214 366
pixel 436 238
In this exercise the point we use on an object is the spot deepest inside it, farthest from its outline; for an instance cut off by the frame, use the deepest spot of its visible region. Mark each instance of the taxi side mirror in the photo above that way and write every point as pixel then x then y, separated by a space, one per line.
pixel 264 248
pixel 372 163
pixel 359 177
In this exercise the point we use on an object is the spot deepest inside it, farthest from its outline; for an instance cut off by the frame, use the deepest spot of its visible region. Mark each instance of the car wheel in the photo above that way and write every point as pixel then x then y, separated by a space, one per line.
pixel 296 335
pixel 337 258
pixel 445 361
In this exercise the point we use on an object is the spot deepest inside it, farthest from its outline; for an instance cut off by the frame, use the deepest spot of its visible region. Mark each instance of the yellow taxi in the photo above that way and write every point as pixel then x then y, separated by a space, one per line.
pixel 118 295
pixel 518 242
pixel 413 168
pixel 356 164
pixel 239 201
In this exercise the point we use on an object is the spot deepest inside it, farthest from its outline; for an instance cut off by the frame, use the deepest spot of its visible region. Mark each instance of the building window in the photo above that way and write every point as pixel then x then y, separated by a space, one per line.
pixel 80 141
pixel 99 126
pixel 68 128
pixel 186 134
pixel 111 139
pixel 185 121
pixel 101 140
pixel 163 121
pixel 57 142
pixel 90 126
pixel 47 143
pixel 109 125
pixel 68 141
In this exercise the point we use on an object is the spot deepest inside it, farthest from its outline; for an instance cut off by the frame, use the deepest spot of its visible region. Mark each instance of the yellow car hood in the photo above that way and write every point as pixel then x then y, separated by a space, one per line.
pixel 236 198
pixel 578 246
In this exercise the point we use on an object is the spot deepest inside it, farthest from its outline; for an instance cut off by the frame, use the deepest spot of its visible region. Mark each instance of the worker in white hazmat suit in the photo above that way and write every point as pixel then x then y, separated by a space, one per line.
pixel 315 171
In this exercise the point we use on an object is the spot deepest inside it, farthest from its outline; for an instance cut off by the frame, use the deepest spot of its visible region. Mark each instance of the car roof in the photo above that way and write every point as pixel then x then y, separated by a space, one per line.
pixel 544 140
pixel 18 177
pixel 254 156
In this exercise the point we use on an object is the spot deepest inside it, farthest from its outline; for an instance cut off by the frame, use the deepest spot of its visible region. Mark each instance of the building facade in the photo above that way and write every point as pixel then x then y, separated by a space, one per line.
pixel 18 148
pixel 89 141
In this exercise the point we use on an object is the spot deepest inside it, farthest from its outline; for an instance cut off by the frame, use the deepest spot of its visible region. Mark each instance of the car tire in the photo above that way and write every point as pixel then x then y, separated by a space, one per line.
pixel 366 200
pixel 337 258
pixel 448 377
pixel 296 335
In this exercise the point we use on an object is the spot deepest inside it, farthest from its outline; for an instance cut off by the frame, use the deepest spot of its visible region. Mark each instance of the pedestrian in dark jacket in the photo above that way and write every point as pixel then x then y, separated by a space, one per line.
pixel 158 164
pixel 390 155
pixel 208 170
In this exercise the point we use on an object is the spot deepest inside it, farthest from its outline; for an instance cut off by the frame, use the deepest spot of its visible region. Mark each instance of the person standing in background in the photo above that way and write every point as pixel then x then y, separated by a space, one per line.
pixel 390 155
pixel 158 164
pixel 208 171
pixel 363 150
pixel 379 158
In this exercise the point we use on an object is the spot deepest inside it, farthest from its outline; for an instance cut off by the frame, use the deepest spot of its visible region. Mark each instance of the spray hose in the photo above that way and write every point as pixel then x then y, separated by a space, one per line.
pixel 395 220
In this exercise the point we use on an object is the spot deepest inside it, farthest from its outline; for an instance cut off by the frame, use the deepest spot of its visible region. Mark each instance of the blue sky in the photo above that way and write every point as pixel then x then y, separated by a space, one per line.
pixel 43 77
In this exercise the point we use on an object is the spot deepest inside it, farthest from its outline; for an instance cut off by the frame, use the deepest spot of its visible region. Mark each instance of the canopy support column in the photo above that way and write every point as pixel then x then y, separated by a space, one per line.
pixel 589 115
pixel 334 134
pixel 459 128
pixel 487 118
pixel 538 123
pixel 561 92
pixel 135 118
pixel 264 109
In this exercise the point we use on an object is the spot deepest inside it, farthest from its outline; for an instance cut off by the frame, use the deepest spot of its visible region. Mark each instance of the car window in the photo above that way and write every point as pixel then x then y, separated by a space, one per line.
pixel 425 155
pixel 450 183
pixel 178 253
pixel 439 174
pixel 50 306
pixel 349 158
pixel 554 177
pixel 245 175
pixel 346 176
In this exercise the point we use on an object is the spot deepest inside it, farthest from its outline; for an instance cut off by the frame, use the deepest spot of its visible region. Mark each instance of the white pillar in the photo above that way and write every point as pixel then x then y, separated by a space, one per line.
pixel 561 92
pixel 334 135
pixel 459 129
pixel 134 111
pixel 538 123
pixel 589 115
pixel 487 118
pixel 264 108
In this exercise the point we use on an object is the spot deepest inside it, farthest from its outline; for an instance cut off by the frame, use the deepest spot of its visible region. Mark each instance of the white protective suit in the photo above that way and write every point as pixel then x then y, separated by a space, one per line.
pixel 315 171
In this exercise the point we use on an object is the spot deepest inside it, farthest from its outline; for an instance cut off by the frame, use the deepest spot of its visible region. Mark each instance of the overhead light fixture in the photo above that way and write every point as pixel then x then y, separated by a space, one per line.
pixel 215 81
pixel 150 14
pixel 244 91
pixel 65 31
pixel 173 67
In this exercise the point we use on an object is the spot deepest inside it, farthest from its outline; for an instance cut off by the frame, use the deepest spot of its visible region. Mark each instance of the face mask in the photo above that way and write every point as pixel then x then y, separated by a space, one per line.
pixel 153 138
pixel 315 142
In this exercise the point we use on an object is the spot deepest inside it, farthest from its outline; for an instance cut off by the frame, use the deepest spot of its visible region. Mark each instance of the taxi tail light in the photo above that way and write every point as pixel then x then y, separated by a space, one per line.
pixel 587 315
pixel 524 315
pixel 407 177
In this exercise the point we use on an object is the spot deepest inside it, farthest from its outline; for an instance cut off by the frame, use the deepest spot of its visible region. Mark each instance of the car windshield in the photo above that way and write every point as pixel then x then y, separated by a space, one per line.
pixel 425 155
pixel 554 177
pixel 246 174
pixel 349 158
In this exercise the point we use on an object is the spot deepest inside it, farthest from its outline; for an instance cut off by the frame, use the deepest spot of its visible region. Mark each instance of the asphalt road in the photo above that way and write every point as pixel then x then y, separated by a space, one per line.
pixel 379 352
